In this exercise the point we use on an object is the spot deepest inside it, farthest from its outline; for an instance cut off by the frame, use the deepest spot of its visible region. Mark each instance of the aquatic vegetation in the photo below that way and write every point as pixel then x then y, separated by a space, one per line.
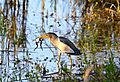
pixel 93 25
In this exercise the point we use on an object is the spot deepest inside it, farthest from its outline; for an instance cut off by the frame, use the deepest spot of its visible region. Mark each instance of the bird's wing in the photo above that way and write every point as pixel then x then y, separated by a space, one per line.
pixel 69 43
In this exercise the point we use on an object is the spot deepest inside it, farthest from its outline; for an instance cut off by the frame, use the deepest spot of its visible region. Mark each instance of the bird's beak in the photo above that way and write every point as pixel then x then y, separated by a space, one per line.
pixel 44 36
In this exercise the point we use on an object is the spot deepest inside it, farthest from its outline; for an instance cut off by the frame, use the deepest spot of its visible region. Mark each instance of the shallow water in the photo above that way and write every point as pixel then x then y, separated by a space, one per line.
pixel 61 17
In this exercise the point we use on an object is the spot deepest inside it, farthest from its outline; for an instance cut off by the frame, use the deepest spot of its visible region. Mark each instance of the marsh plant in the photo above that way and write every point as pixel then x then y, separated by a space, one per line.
pixel 94 26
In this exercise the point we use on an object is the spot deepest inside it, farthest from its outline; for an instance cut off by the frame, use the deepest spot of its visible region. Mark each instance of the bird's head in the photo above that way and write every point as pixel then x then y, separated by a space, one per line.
pixel 50 36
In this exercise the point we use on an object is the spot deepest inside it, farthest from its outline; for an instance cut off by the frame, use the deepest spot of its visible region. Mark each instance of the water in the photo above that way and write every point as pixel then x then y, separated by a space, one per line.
pixel 61 17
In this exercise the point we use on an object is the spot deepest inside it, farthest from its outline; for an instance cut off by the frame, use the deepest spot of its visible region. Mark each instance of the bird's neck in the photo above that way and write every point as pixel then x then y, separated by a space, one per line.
pixel 54 41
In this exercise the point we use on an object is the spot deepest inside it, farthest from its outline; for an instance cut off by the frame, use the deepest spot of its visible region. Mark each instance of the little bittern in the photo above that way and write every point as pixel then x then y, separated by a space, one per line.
pixel 63 44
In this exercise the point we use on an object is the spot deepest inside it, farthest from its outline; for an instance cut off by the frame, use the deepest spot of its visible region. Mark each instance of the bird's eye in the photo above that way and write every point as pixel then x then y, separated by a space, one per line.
pixel 50 36
pixel 47 35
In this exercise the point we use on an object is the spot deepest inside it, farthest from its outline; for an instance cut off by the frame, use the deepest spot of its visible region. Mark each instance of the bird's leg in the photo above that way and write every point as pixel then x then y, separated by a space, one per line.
pixel 59 55
pixel 70 62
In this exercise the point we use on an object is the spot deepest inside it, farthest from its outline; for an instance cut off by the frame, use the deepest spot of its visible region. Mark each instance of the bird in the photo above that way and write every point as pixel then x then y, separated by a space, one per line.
pixel 63 44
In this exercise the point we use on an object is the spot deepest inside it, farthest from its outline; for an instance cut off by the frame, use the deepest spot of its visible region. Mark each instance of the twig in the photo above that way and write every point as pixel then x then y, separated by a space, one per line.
pixel 87 73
